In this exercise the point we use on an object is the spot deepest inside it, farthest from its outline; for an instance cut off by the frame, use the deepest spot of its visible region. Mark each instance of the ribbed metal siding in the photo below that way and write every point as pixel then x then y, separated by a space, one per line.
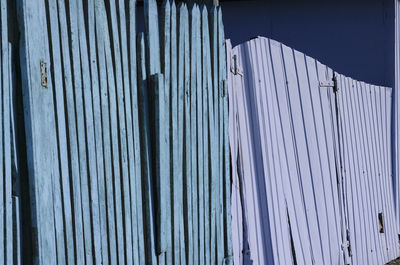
pixel 300 180
pixel 396 117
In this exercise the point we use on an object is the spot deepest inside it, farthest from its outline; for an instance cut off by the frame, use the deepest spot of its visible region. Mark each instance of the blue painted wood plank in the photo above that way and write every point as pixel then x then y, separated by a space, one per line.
pixel 152 36
pixel 121 83
pixel 39 123
pixel 147 177
pixel 195 39
pixel 129 180
pixel 221 77
pixel 16 205
pixel 79 109
pixel 90 134
pixel 105 111
pixel 166 133
pixel 189 140
pixel 17 237
pixel 207 91
pixel 177 122
pixel 72 133
pixel 214 132
pixel 114 93
pixel 161 174
pixel 97 107
pixel 184 82
pixel 139 254
pixel 2 184
pixel 7 154
pixel 2 153
pixel 166 69
pixel 175 61
pixel 200 143
pixel 62 131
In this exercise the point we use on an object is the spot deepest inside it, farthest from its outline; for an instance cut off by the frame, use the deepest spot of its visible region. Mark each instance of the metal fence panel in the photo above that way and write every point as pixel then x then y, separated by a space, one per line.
pixel 311 161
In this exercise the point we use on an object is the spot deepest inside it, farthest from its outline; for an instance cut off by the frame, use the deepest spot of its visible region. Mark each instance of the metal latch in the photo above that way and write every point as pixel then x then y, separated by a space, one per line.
pixel 326 84
pixel 235 66
pixel 43 73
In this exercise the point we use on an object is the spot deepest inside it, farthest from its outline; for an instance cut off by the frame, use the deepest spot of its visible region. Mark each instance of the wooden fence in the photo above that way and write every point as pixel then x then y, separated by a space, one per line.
pixel 126 133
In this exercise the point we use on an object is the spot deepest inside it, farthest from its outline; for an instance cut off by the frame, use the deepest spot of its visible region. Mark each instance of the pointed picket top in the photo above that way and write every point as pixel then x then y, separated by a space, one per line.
pixel 152 33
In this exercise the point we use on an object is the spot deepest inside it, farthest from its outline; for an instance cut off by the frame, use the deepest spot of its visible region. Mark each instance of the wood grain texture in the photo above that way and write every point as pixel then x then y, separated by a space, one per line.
pixel 124 133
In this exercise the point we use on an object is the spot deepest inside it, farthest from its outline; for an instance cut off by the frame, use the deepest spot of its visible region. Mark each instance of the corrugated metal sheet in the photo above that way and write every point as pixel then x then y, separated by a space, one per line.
pixel 311 161
pixel 396 117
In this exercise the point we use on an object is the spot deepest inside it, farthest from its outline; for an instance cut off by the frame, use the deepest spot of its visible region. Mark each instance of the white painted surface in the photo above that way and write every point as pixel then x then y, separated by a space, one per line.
pixel 305 154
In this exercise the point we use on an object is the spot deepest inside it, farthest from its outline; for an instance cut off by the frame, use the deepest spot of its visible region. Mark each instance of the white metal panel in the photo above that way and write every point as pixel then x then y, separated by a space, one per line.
pixel 311 161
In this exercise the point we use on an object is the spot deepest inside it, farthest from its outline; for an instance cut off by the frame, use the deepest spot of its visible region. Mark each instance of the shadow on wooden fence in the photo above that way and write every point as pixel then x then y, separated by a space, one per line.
pixel 126 134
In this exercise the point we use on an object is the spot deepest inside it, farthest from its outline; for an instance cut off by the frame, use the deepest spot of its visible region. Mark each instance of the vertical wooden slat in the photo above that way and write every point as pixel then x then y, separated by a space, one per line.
pixel 97 117
pixel 153 47
pixel 79 108
pixel 221 78
pixel 175 61
pixel 164 206
pixel 168 166
pixel 181 121
pixel 226 165
pixel 39 123
pixel 2 184
pixel 107 149
pixel 72 134
pixel 177 100
pixel 62 133
pixel 16 189
pixel 3 248
pixel 122 178
pixel 158 92
pixel 17 252
pixel 200 144
pixel 139 254
pixel 214 132
pixel 7 155
pixel 145 154
pixel 207 139
pixel 105 110
pixel 189 130
pixel 90 135
pixel 193 110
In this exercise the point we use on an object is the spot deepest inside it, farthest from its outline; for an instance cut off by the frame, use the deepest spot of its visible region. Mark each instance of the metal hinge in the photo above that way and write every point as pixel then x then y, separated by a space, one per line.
pixel 326 84
pixel 329 84
pixel 43 73
pixel 235 69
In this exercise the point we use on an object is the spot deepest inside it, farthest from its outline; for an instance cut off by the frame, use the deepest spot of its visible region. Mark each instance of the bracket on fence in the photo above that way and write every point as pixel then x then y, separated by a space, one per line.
pixel 235 69
pixel 329 84
pixel 326 84
pixel 43 73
